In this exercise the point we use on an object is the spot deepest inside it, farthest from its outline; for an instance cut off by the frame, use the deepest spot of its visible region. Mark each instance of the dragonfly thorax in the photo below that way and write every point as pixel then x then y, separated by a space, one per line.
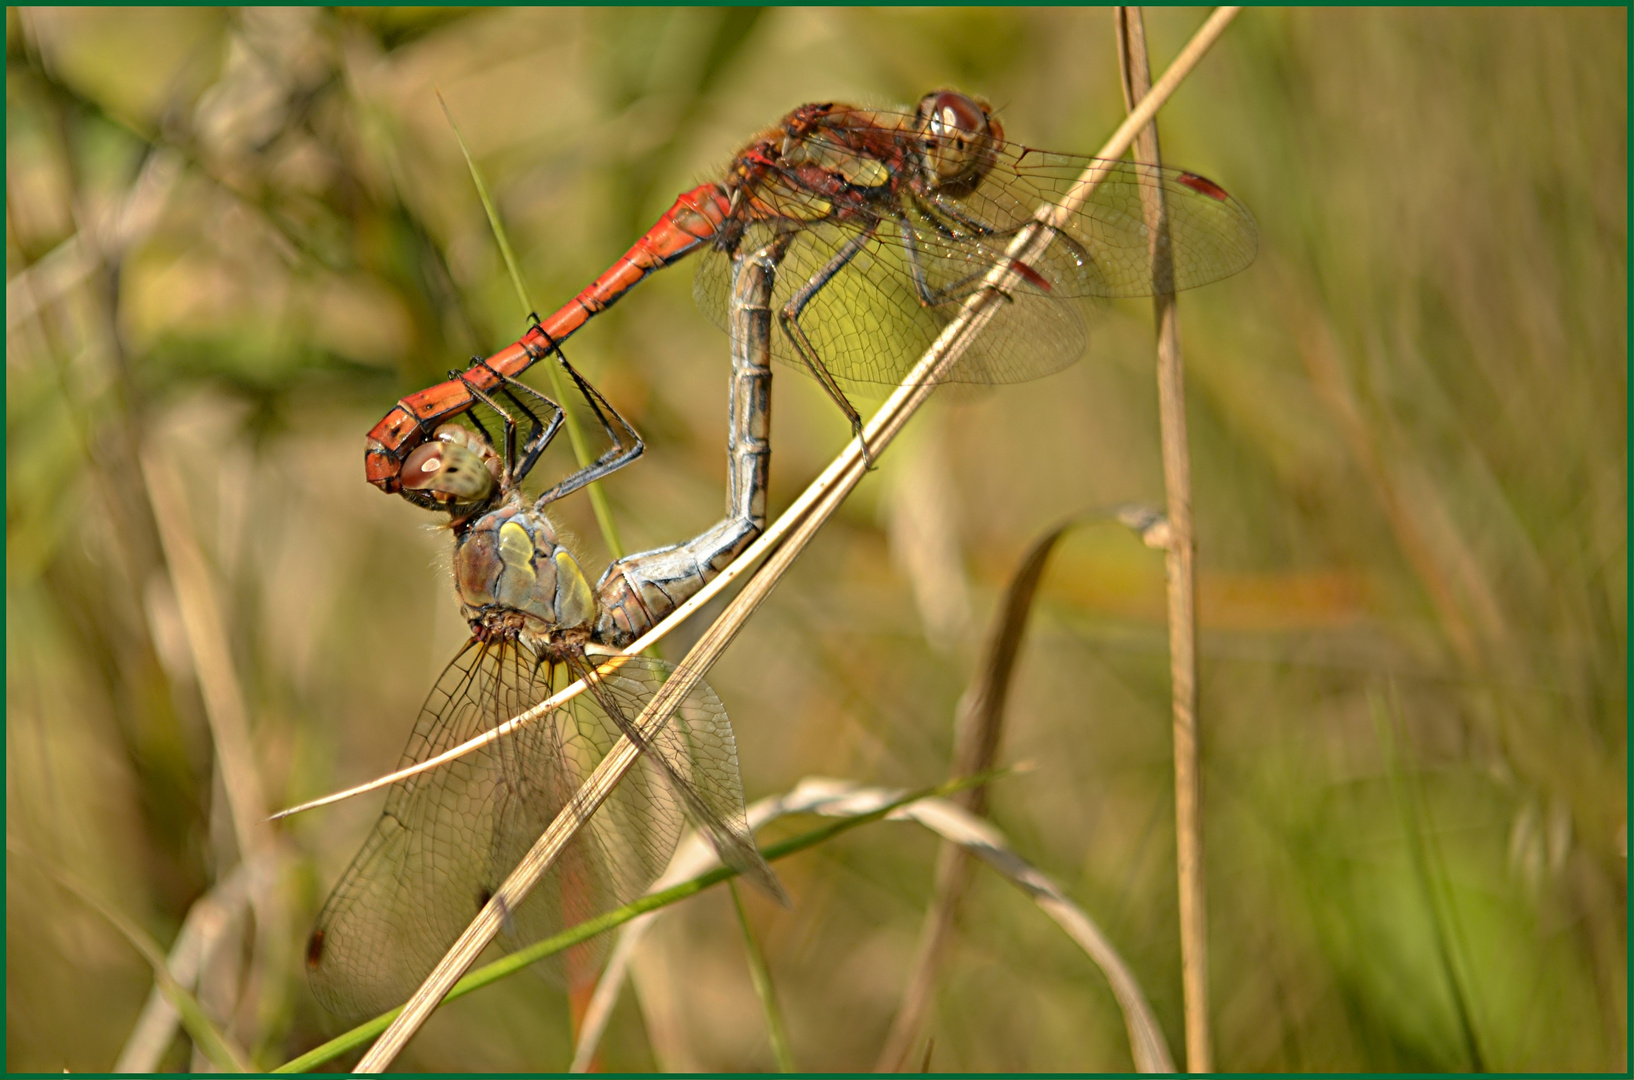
pixel 515 581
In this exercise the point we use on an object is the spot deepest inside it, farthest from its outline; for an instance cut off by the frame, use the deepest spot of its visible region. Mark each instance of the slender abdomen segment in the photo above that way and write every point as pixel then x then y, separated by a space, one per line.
pixel 639 590
pixel 694 219
pixel 749 411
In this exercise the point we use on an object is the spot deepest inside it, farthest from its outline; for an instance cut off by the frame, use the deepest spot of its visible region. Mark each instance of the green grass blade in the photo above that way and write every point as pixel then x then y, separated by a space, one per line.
pixel 1387 717
pixel 761 975
pixel 558 389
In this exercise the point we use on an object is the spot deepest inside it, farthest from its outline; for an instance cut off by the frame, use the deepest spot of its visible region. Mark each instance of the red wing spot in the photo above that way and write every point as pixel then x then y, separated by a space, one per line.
pixel 1033 276
pixel 1203 185
pixel 314 949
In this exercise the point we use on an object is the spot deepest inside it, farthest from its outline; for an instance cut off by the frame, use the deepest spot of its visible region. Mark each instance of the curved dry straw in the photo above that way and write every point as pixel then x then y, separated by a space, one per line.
pixel 956 825
pixel 977 729
pixel 781 545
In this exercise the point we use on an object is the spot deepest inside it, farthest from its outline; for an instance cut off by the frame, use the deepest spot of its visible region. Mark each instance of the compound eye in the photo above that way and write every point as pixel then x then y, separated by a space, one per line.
pixel 447 468
pixel 421 467
pixel 953 115
pixel 957 134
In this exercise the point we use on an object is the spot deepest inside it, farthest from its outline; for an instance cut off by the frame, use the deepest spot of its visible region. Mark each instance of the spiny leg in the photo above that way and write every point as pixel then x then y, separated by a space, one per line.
pixel 638 590
pixel 518 460
pixel 935 297
pixel 789 319
pixel 620 454
pixel 471 413
pixel 540 435
pixel 931 297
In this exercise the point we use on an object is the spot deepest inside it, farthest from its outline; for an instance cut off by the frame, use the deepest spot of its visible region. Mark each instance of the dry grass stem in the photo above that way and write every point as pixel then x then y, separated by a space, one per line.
pixel 977 730
pixel 785 541
pixel 206 629
pixel 202 933
pixel 260 850
pixel 1181 564
pixel 611 920
pixel 980 718
pixel 59 271
pixel 885 425
pixel 232 234
pixel 920 516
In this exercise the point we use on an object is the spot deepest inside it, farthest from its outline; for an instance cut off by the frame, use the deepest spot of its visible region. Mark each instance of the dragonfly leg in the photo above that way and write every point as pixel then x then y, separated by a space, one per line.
pixel 789 318
pixel 963 217
pixel 935 297
pixel 518 460
pixel 455 375
pixel 540 435
pixel 535 445
pixel 939 204
pixel 639 590
pixel 627 445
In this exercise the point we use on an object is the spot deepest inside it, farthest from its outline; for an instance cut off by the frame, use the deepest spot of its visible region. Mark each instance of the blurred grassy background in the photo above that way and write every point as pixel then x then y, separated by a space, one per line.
pixel 235 238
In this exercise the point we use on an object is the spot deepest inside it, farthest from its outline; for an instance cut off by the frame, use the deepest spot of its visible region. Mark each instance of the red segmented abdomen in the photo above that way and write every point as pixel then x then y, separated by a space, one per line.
pixel 694 219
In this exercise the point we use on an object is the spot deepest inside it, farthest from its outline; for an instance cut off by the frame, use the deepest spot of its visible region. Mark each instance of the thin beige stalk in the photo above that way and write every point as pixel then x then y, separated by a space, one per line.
pixel 217 1045
pixel 1181 563
pixel 975 728
pixel 203 932
pixel 819 502
pixel 206 631
pixel 205 626
pixel 977 731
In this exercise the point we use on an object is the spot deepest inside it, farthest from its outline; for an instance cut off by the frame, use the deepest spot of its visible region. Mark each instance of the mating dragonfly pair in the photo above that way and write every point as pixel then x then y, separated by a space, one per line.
pixel 860 233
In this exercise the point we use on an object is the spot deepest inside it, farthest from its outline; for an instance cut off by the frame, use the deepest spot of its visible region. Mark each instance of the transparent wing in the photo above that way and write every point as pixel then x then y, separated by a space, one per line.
pixel 1211 234
pixel 869 323
pixel 449 836
pixel 925 249
pixel 698 754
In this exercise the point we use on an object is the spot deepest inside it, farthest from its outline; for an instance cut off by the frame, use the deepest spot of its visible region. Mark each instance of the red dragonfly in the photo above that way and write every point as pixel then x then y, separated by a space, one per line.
pixel 884 223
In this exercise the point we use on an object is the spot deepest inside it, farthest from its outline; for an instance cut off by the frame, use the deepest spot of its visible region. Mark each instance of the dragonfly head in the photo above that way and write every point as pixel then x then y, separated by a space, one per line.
pixel 957 133
pixel 456 471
